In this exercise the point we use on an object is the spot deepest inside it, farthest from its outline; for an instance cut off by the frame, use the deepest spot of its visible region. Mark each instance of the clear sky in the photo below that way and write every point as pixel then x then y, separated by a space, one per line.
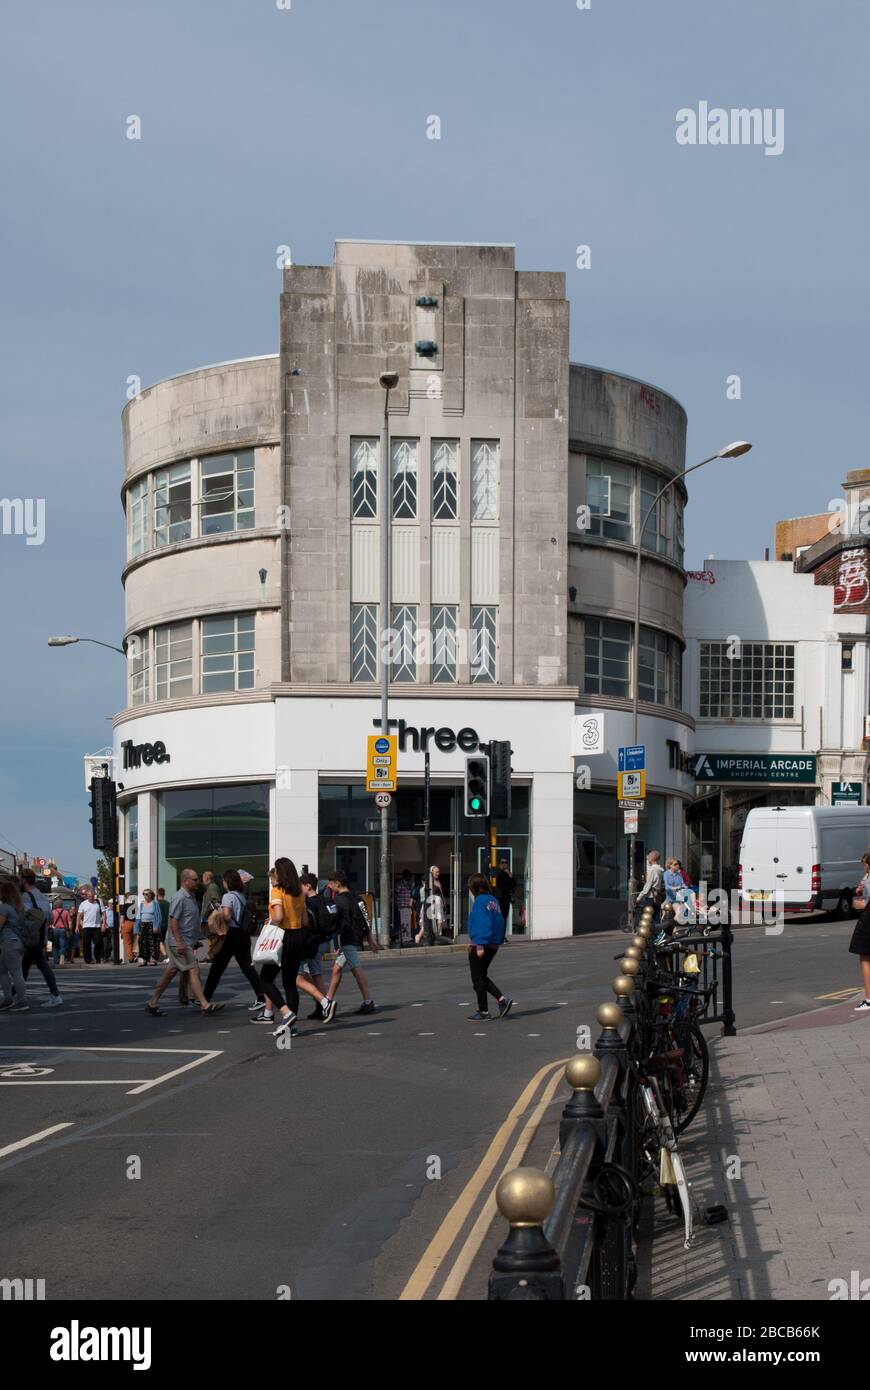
pixel 264 126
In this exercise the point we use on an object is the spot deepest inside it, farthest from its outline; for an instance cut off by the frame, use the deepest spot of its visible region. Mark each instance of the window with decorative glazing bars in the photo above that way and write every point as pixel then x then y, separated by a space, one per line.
pixel 747 680
pixel 172 504
pixel 483 645
pixel 403 643
pixel 137 502
pixel 364 478
pixel 608 496
pixel 364 642
pixel 173 660
pixel 137 655
pixel 606 658
pixel 227 487
pixel 404 473
pixel 445 479
pixel 484 479
pixel 228 653
pixel 444 648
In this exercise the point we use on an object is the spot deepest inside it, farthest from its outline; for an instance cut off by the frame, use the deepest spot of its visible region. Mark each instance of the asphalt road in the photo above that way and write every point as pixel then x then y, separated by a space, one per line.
pixel 198 1160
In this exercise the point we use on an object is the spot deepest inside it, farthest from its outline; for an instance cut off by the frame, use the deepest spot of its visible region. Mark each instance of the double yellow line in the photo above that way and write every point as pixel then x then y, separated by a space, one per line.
pixel 445 1237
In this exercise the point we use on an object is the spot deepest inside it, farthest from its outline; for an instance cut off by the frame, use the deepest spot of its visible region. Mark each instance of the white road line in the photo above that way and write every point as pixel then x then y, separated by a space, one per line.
pixel 533 1035
pixel 425 1035
pixel 34 1138
pixel 188 1066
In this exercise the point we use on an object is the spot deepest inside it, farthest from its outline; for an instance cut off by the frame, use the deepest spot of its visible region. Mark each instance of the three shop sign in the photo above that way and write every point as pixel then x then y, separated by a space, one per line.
pixel 753 767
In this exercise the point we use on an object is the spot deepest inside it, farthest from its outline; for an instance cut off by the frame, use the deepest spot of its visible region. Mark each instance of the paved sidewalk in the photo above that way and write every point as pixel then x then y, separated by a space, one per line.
pixel 790 1102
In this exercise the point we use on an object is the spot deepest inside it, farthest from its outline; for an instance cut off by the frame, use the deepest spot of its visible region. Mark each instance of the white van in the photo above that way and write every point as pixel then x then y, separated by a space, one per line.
pixel 812 853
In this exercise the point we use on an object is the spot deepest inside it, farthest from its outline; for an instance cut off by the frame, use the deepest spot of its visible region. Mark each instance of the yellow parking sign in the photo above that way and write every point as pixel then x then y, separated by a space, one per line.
pixel 381 763
pixel 631 786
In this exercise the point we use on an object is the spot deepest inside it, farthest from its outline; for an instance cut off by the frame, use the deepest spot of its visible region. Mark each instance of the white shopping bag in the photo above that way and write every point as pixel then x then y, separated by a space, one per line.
pixel 268 948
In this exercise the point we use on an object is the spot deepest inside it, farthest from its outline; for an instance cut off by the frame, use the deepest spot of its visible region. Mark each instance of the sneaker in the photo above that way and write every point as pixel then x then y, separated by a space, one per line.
pixel 143 962
pixel 328 1011
pixel 504 1007
pixel 368 1008
pixel 284 1025
pixel 256 1007
pixel 863 1007
pixel 53 1001
pixel 19 1008
pixel 262 1018
pixel 478 1017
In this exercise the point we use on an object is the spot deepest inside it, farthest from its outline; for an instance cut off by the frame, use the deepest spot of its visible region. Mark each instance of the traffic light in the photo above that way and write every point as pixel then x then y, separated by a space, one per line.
pixel 477 785
pixel 104 814
pixel 500 779
pixel 119 876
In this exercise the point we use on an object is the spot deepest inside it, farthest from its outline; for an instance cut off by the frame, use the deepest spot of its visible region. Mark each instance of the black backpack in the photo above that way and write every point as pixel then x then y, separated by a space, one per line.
pixel 359 919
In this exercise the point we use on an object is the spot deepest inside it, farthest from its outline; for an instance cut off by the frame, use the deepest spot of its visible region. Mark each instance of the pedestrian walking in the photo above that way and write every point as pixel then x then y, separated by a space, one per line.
pixel 148 922
pixel 434 909
pixel 182 940
pixel 486 934
pixel 353 931
pixel 12 932
pixel 860 943
pixel 505 884
pixel 323 917
pixel 236 945
pixel 403 905
pixel 129 931
pixel 211 896
pixel 163 907
pixel 287 910
pixel 37 909
pixel 61 945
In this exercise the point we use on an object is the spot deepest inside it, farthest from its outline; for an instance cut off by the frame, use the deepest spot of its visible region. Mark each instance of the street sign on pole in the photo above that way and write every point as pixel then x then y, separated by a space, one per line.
pixel 382 798
pixel 630 822
pixel 381 763
pixel 632 758
pixel 631 805
pixel 631 786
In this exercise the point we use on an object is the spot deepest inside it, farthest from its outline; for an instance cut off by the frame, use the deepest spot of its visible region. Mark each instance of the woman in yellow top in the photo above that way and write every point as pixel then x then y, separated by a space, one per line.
pixel 287 910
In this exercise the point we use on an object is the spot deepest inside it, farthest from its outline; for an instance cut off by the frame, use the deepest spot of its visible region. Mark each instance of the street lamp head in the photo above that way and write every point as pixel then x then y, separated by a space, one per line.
pixel 389 380
pixel 733 451
pixel 61 641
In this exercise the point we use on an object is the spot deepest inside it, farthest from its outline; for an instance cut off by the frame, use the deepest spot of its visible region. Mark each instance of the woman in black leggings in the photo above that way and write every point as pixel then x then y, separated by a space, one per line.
pixel 287 910
pixel 236 945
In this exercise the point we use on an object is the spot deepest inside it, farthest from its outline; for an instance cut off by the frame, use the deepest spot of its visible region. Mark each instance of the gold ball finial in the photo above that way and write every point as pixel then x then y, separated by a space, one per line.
pixel 629 966
pixel 633 952
pixel 623 986
pixel 643 931
pixel 525 1197
pixel 639 941
pixel 583 1073
pixel 609 1015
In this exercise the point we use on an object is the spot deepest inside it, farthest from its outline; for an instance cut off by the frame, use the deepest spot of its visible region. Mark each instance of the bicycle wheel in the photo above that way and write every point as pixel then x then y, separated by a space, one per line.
pixel 689 1082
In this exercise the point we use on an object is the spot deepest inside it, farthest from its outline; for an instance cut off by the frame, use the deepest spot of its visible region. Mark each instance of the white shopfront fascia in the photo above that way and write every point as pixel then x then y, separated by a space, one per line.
pixel 294 743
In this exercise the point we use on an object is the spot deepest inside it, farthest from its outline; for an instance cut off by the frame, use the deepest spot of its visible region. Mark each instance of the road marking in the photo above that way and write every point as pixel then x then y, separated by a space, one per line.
pixel 443 1239
pixel 468 1253
pixel 373 1035
pixel 34 1138
pixel 840 993
pixel 533 1035
pixel 479 1035
pixel 198 1054
pixel 416 1006
pixel 425 1035
pixel 777 1001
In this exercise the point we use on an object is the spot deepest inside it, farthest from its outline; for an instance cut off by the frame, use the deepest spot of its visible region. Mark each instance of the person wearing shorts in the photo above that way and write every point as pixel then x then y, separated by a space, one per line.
pixel 182 940
pixel 348 955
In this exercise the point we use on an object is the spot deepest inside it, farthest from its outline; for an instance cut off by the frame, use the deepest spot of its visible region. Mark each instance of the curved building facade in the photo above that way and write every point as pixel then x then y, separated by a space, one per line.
pixel 253 623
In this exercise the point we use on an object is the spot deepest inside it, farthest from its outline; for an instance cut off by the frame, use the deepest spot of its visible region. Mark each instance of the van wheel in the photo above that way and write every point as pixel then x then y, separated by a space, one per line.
pixel 844 906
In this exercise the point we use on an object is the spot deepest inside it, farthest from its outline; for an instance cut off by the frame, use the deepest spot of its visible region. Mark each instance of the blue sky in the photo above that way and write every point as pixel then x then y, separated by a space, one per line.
pixel 263 126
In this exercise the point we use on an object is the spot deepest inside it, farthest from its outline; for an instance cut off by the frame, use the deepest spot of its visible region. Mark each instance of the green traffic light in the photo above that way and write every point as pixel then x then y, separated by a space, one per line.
pixel 475 803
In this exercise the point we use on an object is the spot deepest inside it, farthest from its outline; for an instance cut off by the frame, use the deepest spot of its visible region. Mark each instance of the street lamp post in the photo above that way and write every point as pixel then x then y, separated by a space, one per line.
pixel 68 641
pixel 729 452
pixel 388 380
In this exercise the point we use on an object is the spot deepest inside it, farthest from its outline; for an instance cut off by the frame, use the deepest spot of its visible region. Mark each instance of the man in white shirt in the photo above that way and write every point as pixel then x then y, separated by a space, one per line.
pixel 91 924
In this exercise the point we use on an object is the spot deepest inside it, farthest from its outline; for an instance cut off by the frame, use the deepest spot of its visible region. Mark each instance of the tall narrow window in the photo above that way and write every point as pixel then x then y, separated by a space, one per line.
pixel 137 660
pixel 137 510
pixel 172 504
pixel 483 645
pixel 484 479
pixel 173 661
pixel 678 529
pixel 402 652
pixel 364 478
pixel 364 642
pixel 404 466
pixel 445 479
pixel 228 653
pixel 608 496
pixel 652 672
pixel 607 645
pixel 443 645
pixel 227 482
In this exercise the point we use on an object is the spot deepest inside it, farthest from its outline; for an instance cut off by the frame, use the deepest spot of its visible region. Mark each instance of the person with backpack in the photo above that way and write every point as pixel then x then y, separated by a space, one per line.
pixel 323 924
pixel 236 945
pixel 12 931
pixel 353 932
pixel 287 910
pixel 486 934
pixel 37 916
pixel 61 945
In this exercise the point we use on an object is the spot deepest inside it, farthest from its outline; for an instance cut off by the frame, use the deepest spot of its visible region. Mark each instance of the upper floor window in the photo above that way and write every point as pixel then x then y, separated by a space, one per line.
pixel 445 479
pixel 172 508
pixel 660 670
pixel 657 531
pixel 228 653
pixel 608 496
pixel 364 642
pixel 483 645
pixel 404 476
pixel 746 680
pixel 444 644
pixel 137 660
pixel 137 504
pixel 173 660
pixel 484 479
pixel 364 478
pixel 607 657
pixel 403 643
pixel 227 493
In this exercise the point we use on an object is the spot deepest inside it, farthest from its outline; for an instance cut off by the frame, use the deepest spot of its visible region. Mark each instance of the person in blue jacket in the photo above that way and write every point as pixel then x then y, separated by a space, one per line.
pixel 486 933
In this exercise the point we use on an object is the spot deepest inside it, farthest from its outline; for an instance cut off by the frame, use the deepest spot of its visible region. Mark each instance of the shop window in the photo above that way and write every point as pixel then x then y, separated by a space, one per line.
pixel 215 828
